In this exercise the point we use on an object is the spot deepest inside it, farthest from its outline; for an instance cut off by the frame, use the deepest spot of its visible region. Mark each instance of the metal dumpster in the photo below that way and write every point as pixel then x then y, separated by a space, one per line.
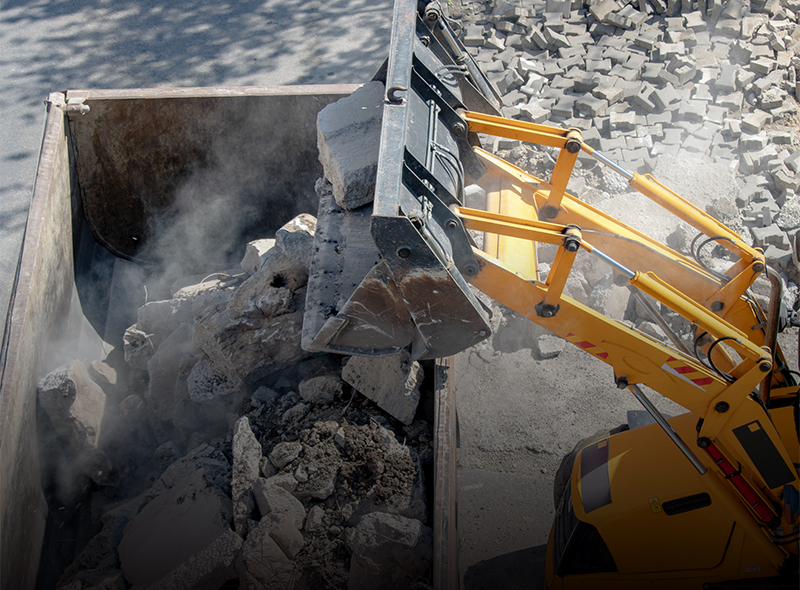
pixel 112 174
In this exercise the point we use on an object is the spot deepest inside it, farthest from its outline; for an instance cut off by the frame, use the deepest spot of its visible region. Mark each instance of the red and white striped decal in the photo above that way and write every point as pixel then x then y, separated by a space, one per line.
pixel 686 372
pixel 587 346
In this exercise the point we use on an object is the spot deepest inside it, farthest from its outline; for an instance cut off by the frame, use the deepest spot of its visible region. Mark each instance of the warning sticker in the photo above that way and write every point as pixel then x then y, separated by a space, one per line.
pixel 655 505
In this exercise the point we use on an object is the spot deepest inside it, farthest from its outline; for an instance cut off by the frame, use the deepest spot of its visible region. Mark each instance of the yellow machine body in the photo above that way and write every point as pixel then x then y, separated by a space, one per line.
pixel 662 523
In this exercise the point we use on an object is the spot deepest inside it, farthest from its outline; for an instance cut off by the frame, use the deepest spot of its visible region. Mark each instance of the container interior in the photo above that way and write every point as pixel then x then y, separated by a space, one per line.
pixel 135 189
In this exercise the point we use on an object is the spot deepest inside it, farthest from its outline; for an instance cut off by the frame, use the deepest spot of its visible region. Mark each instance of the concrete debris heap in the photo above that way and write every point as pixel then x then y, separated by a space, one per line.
pixel 269 468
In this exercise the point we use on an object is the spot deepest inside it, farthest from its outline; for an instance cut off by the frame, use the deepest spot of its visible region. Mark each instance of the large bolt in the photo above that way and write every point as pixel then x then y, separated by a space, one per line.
pixel 458 129
pixel 404 252
pixel 703 442
pixel 722 407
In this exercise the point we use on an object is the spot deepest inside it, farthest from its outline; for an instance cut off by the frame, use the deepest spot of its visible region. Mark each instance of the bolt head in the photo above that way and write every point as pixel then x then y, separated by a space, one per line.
pixel 703 442
pixel 722 407
pixel 404 252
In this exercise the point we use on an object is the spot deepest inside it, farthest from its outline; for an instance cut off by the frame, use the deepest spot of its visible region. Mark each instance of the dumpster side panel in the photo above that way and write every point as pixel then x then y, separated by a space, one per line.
pixel 148 157
pixel 39 311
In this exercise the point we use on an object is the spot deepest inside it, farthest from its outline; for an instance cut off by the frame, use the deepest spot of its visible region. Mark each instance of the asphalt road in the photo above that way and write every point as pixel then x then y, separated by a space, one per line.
pixel 56 45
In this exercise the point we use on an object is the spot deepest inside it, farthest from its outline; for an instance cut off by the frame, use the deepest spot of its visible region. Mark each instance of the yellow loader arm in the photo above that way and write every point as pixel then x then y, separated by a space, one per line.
pixel 722 390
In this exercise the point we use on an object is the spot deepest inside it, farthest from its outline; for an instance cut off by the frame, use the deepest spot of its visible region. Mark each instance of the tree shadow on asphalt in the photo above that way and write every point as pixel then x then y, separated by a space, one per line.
pixel 71 44
pixel 523 569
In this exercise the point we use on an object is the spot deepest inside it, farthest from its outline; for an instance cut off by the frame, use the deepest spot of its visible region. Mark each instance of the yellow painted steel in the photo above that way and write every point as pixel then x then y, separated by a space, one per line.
pixel 648 544
pixel 674 203
pixel 511 197
pixel 631 353
pixel 726 540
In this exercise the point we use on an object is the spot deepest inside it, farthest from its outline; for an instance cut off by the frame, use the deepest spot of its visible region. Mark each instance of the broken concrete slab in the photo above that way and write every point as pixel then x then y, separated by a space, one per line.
pixel 246 457
pixel 265 564
pixel 175 527
pixel 76 406
pixel 259 330
pixel 276 501
pixel 389 552
pixel 348 138
pixel 391 381
pixel 255 254
pixel 321 388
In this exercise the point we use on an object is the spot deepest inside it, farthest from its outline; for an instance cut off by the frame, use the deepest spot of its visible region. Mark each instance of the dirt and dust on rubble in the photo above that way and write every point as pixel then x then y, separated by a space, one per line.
pixel 212 448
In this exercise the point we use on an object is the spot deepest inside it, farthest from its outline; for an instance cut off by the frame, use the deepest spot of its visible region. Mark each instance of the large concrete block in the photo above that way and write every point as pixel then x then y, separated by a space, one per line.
pixel 76 406
pixel 348 138
pixel 389 552
pixel 246 456
pixel 275 501
pixel 258 332
pixel 174 528
pixel 391 381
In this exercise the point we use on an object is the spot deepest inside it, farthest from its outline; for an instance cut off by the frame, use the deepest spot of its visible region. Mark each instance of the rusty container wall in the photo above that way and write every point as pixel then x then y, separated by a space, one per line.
pixel 119 170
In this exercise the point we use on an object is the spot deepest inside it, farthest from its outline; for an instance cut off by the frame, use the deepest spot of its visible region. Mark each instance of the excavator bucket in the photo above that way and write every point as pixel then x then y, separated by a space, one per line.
pixel 394 273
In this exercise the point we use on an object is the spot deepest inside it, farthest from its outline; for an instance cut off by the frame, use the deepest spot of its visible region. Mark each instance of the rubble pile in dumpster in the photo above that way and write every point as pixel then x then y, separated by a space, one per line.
pixel 257 462
pixel 213 449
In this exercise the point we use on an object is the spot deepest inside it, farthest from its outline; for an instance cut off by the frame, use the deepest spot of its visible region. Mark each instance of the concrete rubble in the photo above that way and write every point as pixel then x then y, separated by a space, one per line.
pixel 263 462
pixel 76 406
pixel 389 552
pixel 391 381
pixel 348 138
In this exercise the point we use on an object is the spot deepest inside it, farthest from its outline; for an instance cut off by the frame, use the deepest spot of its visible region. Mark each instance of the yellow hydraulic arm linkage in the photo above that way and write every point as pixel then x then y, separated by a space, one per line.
pixel 744 465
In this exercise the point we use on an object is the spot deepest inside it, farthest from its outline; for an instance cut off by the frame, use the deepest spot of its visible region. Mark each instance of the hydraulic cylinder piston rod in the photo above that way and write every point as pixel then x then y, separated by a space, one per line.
pixel 683 209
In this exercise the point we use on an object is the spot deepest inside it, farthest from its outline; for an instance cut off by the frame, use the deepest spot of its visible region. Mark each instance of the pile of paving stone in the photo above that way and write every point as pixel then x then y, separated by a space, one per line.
pixel 213 448
pixel 707 81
